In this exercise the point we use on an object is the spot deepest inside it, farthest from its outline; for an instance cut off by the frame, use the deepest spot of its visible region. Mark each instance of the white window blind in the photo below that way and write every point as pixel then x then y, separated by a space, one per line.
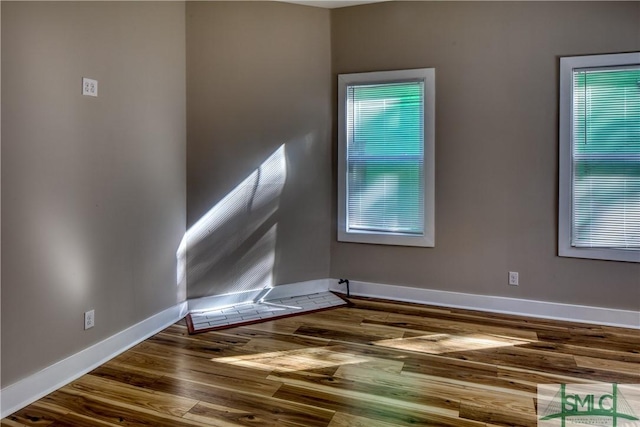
pixel 385 157
pixel 386 165
pixel 606 158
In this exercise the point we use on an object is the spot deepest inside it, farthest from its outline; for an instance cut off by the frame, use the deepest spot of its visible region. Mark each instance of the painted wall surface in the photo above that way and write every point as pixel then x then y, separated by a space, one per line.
pixel 93 189
pixel 0 198
pixel 258 153
pixel 497 70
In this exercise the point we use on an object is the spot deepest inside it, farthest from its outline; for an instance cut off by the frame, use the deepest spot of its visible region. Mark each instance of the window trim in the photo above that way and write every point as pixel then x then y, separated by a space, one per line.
pixel 565 209
pixel 427 239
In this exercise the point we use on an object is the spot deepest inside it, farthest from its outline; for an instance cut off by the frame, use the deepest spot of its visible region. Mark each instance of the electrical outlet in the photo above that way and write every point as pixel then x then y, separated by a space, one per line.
pixel 89 87
pixel 89 319
pixel 513 278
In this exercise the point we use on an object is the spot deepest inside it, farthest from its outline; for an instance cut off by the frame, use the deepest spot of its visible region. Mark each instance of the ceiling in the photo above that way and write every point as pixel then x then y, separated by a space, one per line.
pixel 332 4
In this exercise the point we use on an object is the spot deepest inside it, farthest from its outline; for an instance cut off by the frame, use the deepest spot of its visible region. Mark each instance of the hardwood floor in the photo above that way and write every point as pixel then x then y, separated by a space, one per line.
pixel 376 364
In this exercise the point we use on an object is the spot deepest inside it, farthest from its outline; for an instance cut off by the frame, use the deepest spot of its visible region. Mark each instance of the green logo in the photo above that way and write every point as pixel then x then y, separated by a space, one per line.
pixel 591 404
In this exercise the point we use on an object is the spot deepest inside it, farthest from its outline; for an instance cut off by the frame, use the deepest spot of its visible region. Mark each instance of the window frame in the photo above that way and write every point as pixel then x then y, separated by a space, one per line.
pixel 427 239
pixel 565 193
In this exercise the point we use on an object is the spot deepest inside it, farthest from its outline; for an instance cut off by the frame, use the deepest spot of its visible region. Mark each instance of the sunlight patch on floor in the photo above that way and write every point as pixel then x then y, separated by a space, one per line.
pixel 294 360
pixel 446 343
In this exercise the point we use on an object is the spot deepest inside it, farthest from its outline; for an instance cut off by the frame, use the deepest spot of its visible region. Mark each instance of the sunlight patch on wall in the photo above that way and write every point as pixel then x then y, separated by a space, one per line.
pixel 232 247
pixel 255 269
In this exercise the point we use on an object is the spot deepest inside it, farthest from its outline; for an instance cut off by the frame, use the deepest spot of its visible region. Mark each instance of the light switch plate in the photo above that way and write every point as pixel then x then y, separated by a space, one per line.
pixel 89 87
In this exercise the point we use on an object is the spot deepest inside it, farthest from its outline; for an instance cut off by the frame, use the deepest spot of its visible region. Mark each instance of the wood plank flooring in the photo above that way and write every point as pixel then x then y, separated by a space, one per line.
pixel 375 364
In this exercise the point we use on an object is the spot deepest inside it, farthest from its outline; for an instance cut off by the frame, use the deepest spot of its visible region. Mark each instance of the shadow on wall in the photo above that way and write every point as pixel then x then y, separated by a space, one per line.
pixel 232 247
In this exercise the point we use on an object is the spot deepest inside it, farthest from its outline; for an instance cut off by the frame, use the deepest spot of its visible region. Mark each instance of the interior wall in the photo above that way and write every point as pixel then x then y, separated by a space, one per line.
pixel 93 189
pixel 497 68
pixel 258 153
pixel 0 195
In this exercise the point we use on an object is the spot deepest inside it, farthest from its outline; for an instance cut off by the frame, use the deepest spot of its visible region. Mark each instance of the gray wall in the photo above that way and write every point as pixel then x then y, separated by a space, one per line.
pixel 496 142
pixel 0 200
pixel 93 189
pixel 258 77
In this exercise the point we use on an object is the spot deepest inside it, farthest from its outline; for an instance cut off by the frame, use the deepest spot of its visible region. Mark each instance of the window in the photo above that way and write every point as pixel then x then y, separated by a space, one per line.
pixel 599 215
pixel 386 157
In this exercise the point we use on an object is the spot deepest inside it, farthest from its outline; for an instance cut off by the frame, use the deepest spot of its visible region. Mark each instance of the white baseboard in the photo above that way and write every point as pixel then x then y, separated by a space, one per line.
pixel 297 289
pixel 217 302
pixel 28 390
pixel 522 307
